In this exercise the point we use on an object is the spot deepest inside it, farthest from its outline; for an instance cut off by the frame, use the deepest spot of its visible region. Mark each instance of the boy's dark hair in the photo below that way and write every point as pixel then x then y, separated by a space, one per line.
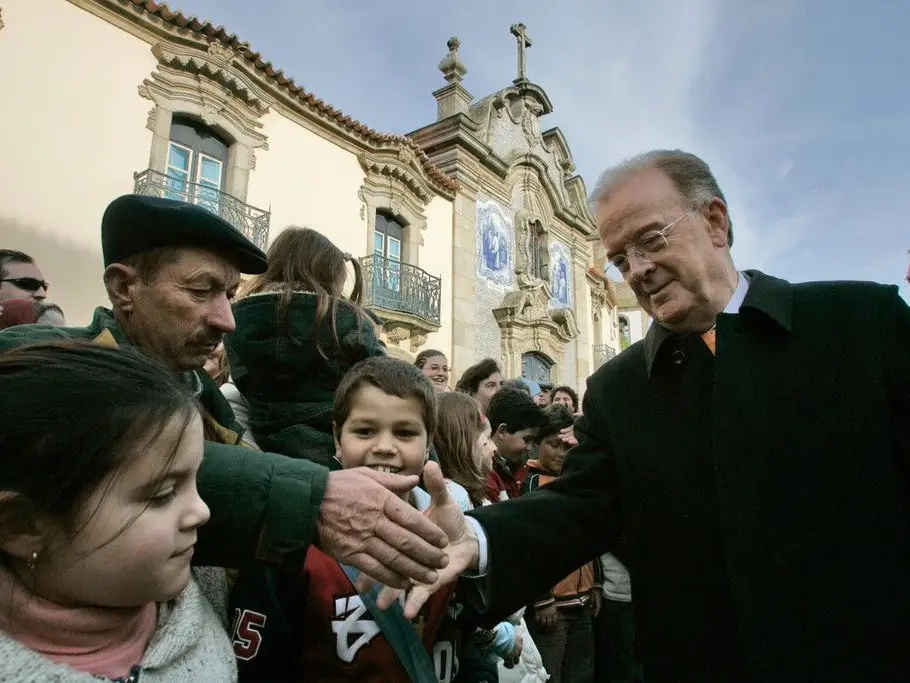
pixel 515 409
pixel 474 375
pixel 558 417
pixel 80 411
pixel 12 256
pixel 567 390
pixel 391 376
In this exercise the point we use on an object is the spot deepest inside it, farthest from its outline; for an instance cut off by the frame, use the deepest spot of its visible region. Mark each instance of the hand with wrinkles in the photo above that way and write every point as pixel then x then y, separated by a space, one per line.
pixel 364 523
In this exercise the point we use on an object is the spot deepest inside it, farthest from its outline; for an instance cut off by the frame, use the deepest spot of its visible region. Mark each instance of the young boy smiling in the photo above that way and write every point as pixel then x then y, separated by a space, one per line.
pixel 314 626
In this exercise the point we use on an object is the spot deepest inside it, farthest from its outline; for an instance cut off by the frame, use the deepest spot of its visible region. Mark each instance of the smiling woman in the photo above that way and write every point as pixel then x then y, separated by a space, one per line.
pixel 435 367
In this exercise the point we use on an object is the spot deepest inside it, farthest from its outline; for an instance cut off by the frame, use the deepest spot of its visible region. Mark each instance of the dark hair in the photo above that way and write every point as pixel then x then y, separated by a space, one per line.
pixel 149 263
pixel 477 373
pixel 515 409
pixel 302 259
pixel 78 410
pixel 425 355
pixel 391 376
pixel 460 425
pixel 558 417
pixel 12 256
pixel 516 384
pixel 567 390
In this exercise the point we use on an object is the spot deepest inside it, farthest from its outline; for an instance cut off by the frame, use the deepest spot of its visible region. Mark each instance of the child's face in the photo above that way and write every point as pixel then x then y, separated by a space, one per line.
pixel 514 446
pixel 552 453
pixel 484 449
pixel 137 540
pixel 383 432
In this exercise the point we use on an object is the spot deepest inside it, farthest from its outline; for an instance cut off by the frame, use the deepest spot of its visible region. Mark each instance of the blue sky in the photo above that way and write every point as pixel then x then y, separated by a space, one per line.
pixel 800 106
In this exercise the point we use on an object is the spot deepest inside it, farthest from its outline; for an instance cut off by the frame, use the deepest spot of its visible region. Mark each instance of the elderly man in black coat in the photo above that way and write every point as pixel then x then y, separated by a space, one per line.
pixel 753 453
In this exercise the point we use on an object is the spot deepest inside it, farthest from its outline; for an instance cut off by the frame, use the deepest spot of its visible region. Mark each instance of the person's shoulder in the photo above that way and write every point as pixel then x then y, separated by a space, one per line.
pixel 22 335
pixel 460 494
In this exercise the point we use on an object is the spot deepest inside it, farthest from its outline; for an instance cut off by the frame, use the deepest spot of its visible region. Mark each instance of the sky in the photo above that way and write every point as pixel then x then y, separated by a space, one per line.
pixel 799 106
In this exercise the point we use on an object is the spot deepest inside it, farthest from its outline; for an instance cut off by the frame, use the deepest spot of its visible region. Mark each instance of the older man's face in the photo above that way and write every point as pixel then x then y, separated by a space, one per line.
pixel 181 316
pixel 677 285
pixel 22 281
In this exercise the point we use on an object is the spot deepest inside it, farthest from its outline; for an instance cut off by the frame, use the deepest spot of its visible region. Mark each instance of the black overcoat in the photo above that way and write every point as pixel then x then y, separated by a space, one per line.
pixel 762 494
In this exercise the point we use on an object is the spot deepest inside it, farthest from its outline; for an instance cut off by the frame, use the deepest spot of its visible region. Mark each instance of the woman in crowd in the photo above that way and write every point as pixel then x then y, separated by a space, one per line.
pixel 435 366
pixel 481 381
pixel 568 397
pixel 297 335
pixel 95 579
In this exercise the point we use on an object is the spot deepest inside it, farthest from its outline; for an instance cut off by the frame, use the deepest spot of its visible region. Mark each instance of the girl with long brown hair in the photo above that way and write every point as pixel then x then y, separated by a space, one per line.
pixel 297 335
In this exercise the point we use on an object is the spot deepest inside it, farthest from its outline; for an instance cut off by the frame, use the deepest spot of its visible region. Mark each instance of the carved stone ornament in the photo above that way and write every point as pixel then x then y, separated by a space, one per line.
pixel 395 206
pixel 210 114
pixel 397 333
pixel 253 160
pixel 405 154
pixel 1 18
pixel 418 340
pixel 221 53
pixel 363 212
pixel 152 121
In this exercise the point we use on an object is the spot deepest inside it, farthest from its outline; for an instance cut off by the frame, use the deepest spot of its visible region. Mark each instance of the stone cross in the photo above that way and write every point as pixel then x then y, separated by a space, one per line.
pixel 524 41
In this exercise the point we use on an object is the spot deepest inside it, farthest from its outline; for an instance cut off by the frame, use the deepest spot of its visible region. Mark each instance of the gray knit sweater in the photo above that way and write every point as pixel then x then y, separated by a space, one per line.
pixel 190 645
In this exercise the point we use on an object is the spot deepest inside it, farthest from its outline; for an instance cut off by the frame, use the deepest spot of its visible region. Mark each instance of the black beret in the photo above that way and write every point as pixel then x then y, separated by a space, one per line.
pixel 134 223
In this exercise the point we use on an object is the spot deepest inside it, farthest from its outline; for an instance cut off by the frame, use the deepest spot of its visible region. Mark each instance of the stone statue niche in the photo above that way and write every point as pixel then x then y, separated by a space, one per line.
pixel 532 262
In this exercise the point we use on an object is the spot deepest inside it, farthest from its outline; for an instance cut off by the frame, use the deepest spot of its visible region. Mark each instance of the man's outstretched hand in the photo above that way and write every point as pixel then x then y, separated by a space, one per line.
pixel 364 523
pixel 462 550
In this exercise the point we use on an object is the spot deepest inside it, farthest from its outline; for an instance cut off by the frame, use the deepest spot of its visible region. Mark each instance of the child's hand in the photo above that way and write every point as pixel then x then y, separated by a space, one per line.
pixel 546 618
pixel 597 601
pixel 568 436
pixel 515 655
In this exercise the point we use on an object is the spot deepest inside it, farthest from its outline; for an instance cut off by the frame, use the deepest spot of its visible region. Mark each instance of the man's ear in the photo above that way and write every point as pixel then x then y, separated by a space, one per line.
pixel 121 282
pixel 719 222
pixel 502 430
pixel 22 535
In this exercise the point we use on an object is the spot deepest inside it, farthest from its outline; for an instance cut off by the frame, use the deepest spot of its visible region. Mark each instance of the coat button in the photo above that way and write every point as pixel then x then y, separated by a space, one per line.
pixel 678 357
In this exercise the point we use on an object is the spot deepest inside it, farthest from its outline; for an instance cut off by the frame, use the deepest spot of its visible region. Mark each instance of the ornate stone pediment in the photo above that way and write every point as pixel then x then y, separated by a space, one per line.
pixel 398 163
pixel 217 65
pixel 528 308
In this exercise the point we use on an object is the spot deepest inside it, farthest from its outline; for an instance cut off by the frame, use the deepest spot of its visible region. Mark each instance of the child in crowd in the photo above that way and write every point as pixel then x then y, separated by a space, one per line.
pixel 481 381
pixel 561 620
pixel 465 455
pixel 516 420
pixel 314 626
pixel 98 519
pixel 297 335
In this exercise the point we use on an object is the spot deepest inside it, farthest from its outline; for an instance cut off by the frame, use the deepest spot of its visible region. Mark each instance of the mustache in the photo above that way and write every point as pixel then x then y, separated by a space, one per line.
pixel 205 339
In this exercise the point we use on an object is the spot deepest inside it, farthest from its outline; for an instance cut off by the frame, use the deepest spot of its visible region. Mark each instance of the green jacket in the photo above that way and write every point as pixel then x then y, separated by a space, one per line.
pixel 289 385
pixel 263 505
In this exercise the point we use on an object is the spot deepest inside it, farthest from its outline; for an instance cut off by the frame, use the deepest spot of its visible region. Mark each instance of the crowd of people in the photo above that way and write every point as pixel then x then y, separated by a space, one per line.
pixel 222 479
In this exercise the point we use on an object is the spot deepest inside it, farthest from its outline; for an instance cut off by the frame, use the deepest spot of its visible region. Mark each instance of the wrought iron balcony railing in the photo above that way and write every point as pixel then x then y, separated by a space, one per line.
pixel 603 353
pixel 252 222
pixel 397 286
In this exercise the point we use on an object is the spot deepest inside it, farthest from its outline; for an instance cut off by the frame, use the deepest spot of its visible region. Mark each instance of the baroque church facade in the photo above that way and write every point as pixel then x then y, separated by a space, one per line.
pixel 473 231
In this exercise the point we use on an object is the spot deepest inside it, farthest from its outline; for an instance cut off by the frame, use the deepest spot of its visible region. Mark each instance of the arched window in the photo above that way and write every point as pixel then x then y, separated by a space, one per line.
pixel 536 366
pixel 625 332
pixel 196 163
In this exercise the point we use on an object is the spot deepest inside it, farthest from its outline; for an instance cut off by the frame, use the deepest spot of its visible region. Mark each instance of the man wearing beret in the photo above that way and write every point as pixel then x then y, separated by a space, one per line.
pixel 171 269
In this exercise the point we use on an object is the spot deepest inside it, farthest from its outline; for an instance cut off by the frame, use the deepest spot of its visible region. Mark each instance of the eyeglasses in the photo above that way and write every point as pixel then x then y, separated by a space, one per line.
pixel 646 245
pixel 28 284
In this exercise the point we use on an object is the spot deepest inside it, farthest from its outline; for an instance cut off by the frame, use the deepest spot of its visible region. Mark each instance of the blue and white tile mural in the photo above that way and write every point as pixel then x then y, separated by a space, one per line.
pixel 495 243
pixel 560 276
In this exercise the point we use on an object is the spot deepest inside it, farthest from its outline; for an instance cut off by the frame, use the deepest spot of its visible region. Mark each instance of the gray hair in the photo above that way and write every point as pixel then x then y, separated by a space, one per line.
pixel 690 175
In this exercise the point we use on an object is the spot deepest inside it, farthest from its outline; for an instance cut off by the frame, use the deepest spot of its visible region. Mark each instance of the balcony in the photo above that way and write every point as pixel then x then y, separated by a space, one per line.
pixel 603 353
pixel 404 296
pixel 250 221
